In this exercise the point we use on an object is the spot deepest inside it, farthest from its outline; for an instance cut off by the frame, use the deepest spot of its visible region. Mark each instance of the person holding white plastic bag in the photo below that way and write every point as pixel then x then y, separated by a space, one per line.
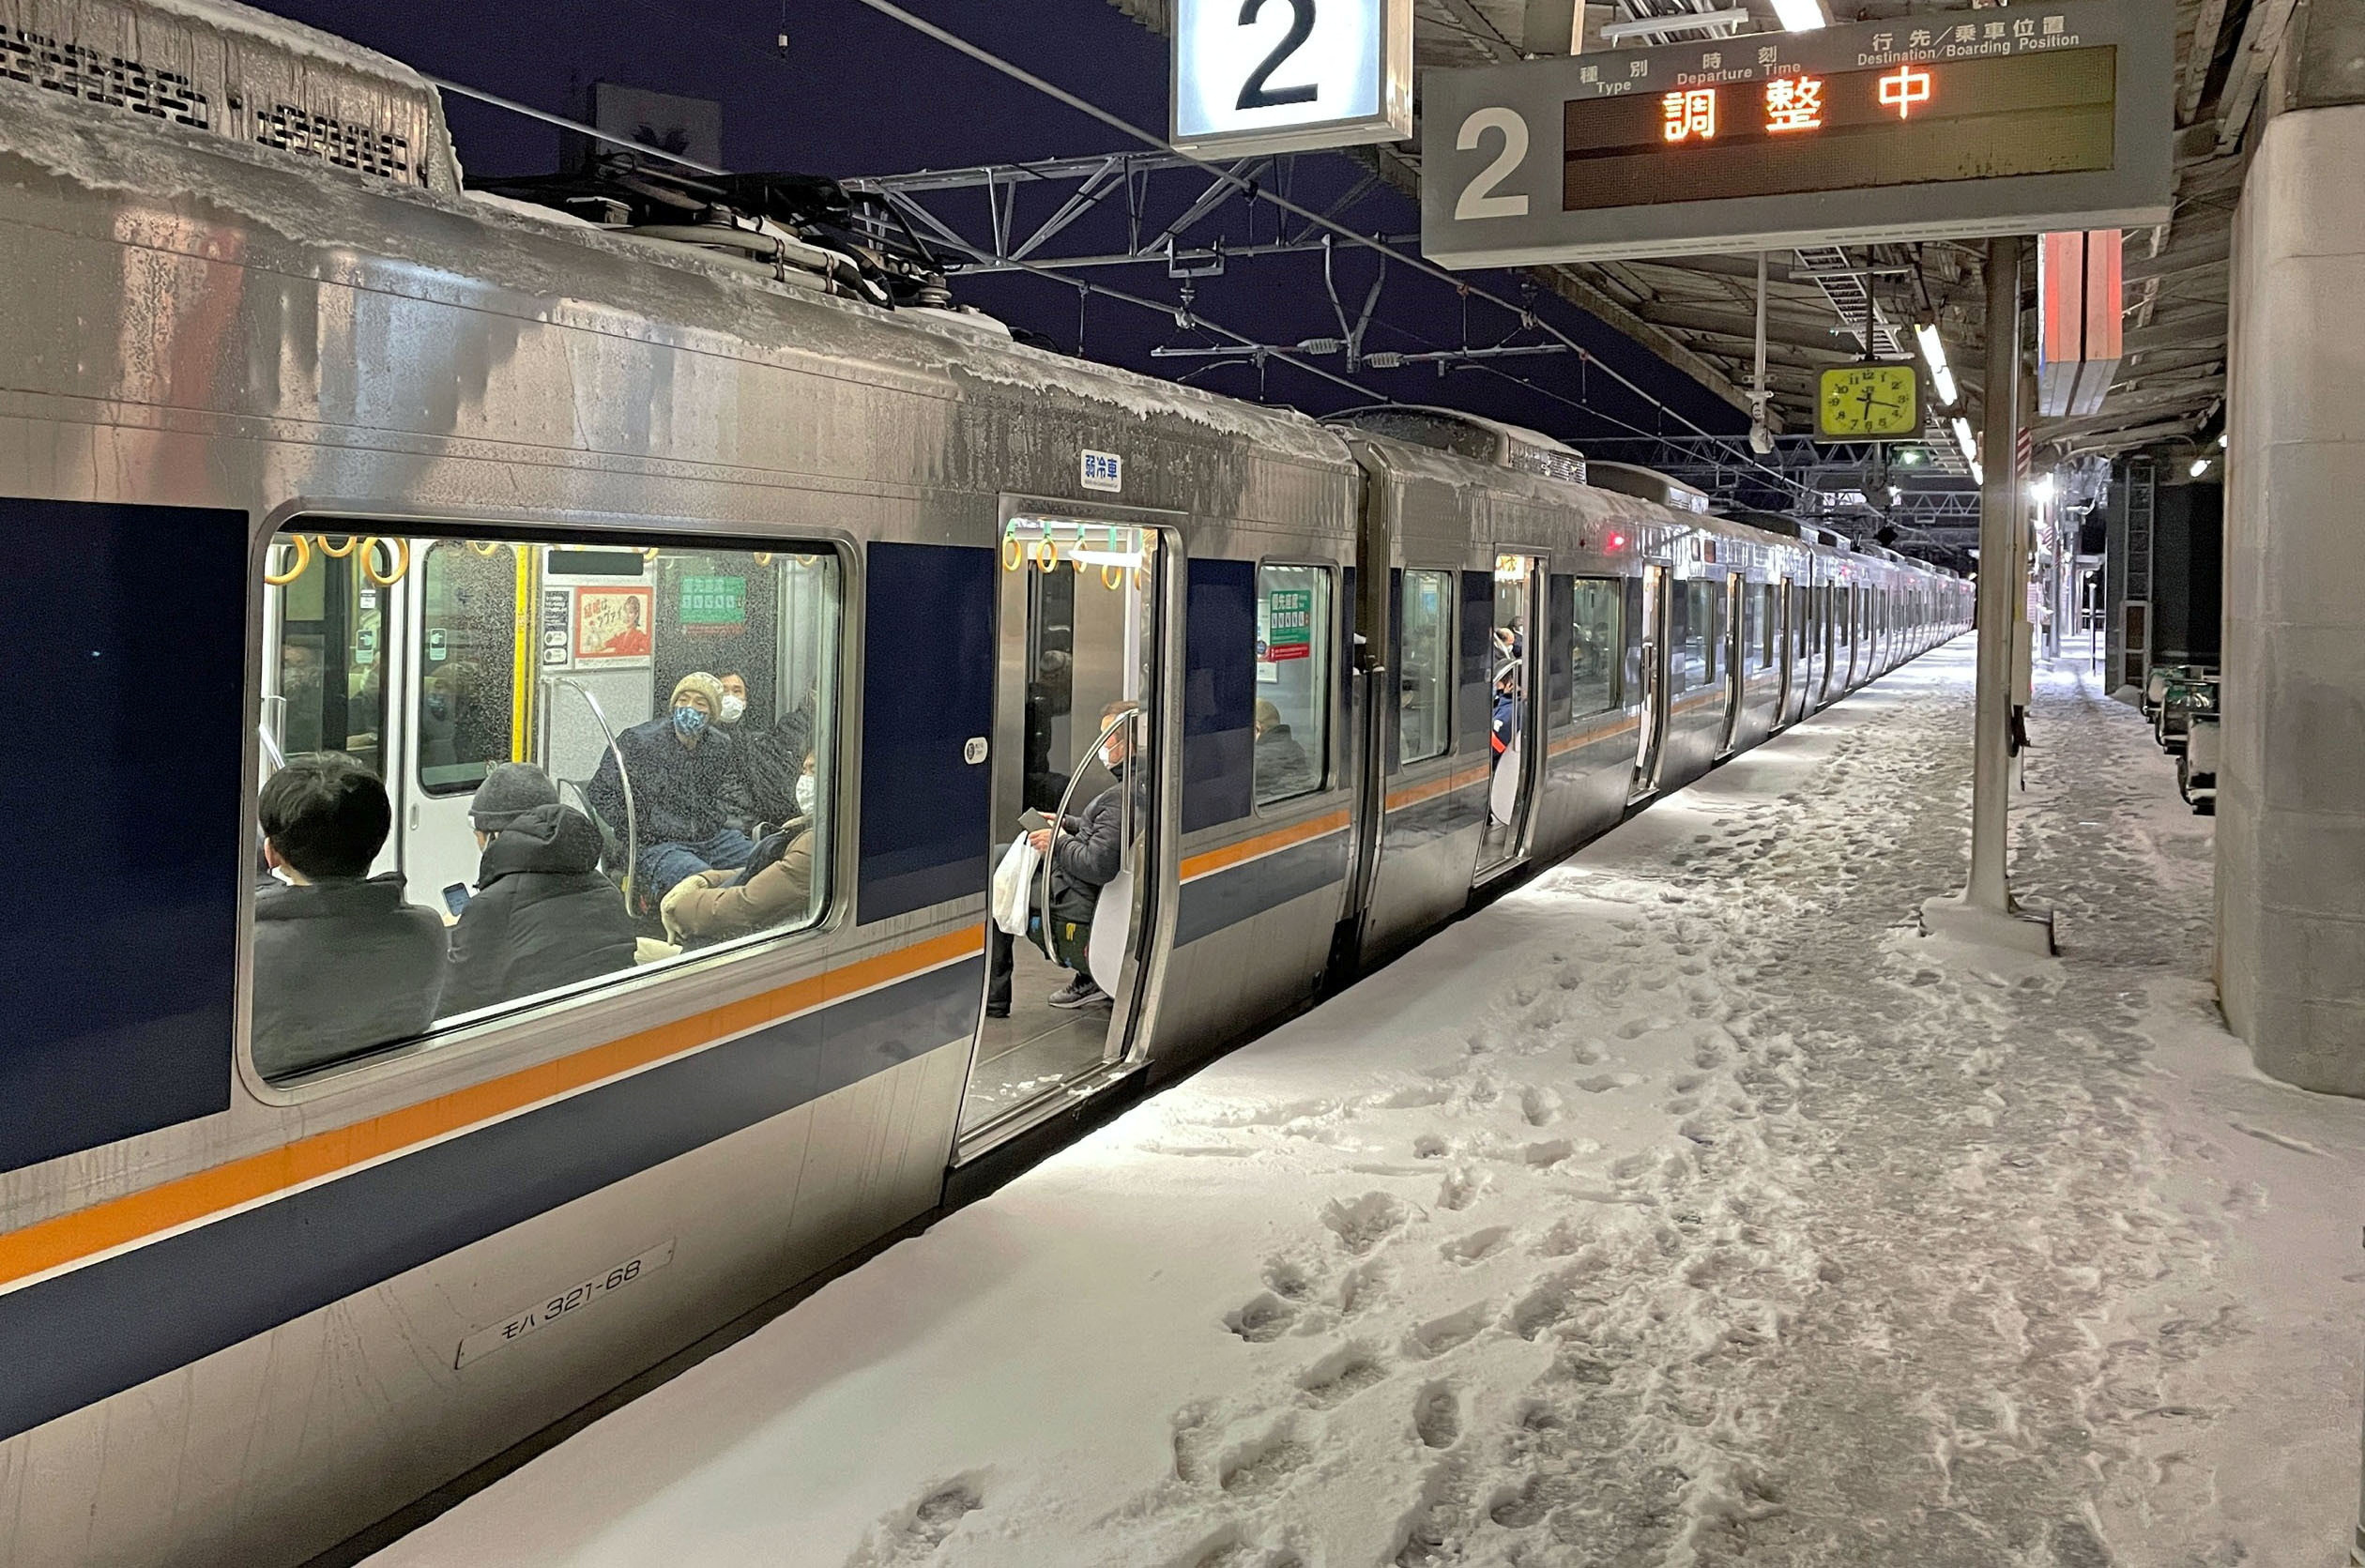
pixel 1085 858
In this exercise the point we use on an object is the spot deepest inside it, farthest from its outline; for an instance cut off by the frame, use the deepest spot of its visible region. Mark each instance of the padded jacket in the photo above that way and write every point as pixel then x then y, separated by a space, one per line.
pixel 542 916
pixel 341 965
pixel 1089 850
pixel 779 893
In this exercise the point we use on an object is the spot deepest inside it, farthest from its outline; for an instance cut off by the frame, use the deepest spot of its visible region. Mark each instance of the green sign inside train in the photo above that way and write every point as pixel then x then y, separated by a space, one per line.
pixel 714 602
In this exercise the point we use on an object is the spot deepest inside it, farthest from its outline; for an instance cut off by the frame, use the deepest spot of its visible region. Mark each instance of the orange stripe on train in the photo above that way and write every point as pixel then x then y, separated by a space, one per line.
pixel 66 1238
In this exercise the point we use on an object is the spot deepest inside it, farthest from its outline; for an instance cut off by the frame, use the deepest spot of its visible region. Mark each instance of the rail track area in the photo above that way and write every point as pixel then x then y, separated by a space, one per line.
pixel 1682 1207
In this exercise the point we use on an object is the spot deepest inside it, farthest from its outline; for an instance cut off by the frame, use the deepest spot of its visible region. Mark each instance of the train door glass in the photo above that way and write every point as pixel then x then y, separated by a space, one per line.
pixel 1734 641
pixel 1652 620
pixel 463 710
pixel 1081 662
pixel 1518 580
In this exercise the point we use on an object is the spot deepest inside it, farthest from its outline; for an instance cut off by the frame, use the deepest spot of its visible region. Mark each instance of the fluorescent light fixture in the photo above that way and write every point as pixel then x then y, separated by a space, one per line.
pixel 1934 352
pixel 2222 440
pixel 2043 489
pixel 1978 475
pixel 1894 494
pixel 2200 466
pixel 1800 16
pixel 1965 439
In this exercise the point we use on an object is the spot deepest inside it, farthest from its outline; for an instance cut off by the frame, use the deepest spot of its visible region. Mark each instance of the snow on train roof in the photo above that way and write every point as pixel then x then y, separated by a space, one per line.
pixel 569 269
pixel 293 37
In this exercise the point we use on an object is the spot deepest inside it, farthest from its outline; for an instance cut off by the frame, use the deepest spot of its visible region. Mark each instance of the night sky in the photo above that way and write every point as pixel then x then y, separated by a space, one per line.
pixel 860 93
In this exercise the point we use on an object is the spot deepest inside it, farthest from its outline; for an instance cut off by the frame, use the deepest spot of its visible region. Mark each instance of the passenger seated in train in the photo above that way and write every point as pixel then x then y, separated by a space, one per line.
pixel 543 916
pixel 680 766
pixel 762 790
pixel 1085 858
pixel 341 962
pixel 774 889
pixel 1281 766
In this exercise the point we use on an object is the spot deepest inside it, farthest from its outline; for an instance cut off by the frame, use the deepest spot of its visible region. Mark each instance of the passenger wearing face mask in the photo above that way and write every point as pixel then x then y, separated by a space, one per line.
pixel 680 765
pixel 543 916
pixel 775 889
pixel 762 791
pixel 1087 856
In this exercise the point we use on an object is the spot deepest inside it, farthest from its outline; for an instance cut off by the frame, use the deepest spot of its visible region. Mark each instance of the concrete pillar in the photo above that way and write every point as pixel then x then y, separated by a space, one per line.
pixel 2291 786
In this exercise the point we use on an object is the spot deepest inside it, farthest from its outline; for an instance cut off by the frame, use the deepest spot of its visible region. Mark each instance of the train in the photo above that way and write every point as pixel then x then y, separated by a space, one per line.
pixel 306 447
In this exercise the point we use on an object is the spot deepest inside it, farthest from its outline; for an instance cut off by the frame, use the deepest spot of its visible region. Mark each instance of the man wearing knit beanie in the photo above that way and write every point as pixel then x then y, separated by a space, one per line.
pixel 679 767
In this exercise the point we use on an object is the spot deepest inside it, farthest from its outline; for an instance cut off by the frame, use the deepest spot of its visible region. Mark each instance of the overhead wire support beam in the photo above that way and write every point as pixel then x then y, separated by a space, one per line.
pixel 1420 263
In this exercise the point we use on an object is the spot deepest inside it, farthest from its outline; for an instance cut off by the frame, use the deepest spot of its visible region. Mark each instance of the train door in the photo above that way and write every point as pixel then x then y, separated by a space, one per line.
pixel 1784 610
pixel 1082 659
pixel 1652 622
pixel 1740 629
pixel 459 602
pixel 1516 739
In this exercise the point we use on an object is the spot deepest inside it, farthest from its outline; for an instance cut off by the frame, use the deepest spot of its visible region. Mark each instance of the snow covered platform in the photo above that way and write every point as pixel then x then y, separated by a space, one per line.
pixel 1685 1207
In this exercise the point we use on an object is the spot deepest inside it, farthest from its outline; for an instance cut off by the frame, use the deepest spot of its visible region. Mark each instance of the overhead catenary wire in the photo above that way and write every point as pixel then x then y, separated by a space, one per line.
pixel 1250 345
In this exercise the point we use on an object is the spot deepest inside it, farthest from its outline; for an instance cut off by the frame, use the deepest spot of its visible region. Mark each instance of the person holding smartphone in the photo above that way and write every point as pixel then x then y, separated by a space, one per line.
pixel 543 916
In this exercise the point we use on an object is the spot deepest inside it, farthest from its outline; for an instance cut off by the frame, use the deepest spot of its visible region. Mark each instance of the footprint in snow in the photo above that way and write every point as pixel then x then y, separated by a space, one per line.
pixel 914 1538
pixel 1476 1246
pixel 1437 1415
pixel 1343 1374
pixel 1362 1224
pixel 1263 1321
pixel 1461 1188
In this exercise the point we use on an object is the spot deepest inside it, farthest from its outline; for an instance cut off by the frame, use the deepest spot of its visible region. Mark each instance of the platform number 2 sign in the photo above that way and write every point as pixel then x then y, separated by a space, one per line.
pixel 1279 75
pixel 1479 198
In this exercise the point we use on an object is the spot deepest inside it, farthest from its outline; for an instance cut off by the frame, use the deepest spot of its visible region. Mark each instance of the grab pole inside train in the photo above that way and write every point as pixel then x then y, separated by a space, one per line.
pixel 1985 912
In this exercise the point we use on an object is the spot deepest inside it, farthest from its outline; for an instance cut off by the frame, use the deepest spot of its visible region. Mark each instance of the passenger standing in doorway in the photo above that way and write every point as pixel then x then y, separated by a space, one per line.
pixel 680 767
pixel 1085 858
pixel 341 962
pixel 543 916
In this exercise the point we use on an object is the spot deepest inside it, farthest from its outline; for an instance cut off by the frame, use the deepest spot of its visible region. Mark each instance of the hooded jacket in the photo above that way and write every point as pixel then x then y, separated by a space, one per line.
pixel 542 916
pixel 341 966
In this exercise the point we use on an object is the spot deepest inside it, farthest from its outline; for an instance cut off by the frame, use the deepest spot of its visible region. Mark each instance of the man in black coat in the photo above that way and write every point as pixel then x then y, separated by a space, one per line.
pixel 542 916
pixel 1087 858
pixel 342 962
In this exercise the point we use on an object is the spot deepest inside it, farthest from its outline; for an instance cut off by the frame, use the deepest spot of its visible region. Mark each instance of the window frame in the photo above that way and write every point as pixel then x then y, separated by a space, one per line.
pixel 1617 703
pixel 1327 774
pixel 1449 677
pixel 547 1027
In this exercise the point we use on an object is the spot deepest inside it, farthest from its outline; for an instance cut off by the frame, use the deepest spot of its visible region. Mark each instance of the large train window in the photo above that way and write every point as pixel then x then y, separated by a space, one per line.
pixel 602 759
pixel 1293 664
pixel 1425 687
pixel 1598 647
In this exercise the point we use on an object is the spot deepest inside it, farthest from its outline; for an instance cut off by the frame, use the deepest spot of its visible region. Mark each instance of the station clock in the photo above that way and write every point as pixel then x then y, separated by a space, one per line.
pixel 1868 402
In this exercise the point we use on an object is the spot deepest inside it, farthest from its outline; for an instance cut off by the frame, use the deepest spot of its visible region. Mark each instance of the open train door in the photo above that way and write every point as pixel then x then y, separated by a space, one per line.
pixel 1651 620
pixel 1515 736
pixel 1785 613
pixel 1083 660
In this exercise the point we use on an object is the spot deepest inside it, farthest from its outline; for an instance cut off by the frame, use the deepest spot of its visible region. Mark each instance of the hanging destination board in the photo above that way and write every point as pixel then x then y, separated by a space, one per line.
pixel 1952 124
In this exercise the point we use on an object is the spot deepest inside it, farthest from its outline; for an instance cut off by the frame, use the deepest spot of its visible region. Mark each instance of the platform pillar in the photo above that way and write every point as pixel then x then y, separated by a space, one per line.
pixel 2291 789
pixel 1985 912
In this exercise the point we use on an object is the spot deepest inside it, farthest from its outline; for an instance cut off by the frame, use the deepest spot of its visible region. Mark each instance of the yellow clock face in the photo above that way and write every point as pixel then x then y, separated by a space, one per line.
pixel 1868 402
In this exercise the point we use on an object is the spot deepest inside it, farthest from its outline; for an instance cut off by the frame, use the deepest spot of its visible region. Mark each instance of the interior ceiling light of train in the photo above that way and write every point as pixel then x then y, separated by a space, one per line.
pixel 1698 313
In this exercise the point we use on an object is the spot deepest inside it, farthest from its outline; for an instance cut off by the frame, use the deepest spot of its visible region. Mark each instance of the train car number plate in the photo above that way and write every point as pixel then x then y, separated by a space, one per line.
pixel 582 1293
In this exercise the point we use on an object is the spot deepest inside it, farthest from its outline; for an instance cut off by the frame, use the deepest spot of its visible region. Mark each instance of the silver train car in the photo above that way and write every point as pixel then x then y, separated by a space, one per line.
pixel 304 449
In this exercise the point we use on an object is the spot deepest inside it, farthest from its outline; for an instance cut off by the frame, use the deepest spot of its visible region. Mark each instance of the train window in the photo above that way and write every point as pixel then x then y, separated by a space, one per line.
pixel 1762 623
pixel 1696 639
pixel 1425 687
pixel 1598 647
pixel 614 757
pixel 1294 637
pixel 467 682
